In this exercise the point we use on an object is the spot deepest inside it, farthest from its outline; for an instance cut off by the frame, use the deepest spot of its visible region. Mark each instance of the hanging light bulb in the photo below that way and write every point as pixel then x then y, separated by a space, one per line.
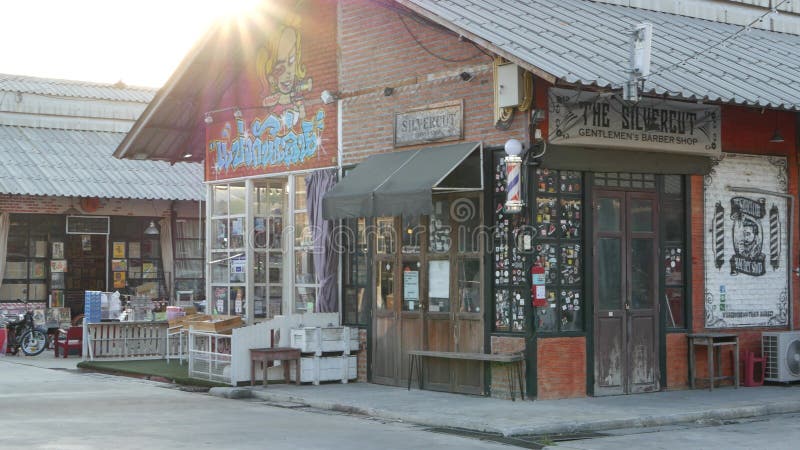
pixel 152 229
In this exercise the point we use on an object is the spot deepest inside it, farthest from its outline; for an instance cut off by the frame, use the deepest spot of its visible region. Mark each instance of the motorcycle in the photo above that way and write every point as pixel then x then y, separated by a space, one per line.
pixel 21 333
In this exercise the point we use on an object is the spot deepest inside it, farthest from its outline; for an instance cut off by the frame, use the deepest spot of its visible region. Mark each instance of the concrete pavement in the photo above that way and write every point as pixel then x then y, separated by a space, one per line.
pixel 538 417
pixel 507 418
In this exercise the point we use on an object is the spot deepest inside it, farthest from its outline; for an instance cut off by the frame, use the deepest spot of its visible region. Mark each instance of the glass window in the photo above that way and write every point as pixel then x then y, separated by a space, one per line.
pixel 385 235
pixel 237 196
pixel 438 286
pixel 439 227
pixel 555 247
pixel 354 271
pixel 385 288
pixel 469 285
pixel 412 232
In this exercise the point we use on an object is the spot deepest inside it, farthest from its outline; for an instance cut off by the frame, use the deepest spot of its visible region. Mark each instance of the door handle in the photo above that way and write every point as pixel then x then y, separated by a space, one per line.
pixel 627 306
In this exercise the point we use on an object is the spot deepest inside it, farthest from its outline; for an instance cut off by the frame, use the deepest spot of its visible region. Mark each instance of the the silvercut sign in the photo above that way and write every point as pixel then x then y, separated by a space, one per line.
pixel 602 120
pixel 433 123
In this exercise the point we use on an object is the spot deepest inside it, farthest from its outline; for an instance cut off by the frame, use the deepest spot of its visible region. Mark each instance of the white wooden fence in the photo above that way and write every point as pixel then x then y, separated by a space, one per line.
pixel 125 340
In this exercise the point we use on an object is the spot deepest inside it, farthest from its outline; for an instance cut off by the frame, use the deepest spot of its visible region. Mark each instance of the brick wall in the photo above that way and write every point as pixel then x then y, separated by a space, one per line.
pixel 504 344
pixel 377 51
pixel 677 361
pixel 561 370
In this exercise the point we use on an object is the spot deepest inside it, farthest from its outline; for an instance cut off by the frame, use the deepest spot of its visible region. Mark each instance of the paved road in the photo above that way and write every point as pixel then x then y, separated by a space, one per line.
pixel 776 432
pixel 43 408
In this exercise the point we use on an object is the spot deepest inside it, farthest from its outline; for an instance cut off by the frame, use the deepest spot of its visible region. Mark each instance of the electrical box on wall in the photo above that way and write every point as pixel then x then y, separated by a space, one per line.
pixel 509 85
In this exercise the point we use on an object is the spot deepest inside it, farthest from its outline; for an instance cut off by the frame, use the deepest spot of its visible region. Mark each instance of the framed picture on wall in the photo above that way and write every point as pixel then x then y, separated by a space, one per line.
pixel 58 266
pixel 119 265
pixel 119 279
pixel 118 250
pixel 134 250
pixel 58 250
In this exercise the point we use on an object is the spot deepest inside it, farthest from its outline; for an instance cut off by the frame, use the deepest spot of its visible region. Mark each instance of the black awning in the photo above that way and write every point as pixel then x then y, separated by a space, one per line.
pixel 401 183
pixel 605 160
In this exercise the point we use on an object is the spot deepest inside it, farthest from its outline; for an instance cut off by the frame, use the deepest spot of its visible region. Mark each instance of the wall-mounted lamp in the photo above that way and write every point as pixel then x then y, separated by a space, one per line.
pixel 208 120
pixel 466 76
pixel 328 97
pixel 237 113
pixel 387 92
pixel 776 137
pixel 187 155
pixel 514 203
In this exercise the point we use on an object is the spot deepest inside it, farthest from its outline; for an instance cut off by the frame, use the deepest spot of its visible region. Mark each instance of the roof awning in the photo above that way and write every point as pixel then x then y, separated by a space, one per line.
pixel 402 183
pixel 611 160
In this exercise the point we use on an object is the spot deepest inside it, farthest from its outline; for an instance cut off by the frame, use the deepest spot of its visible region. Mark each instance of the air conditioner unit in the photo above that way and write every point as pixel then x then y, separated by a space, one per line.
pixel 782 351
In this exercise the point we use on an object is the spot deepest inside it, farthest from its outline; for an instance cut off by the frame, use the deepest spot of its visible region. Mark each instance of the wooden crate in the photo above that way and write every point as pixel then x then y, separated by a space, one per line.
pixel 185 320
pixel 324 339
pixel 314 369
pixel 217 324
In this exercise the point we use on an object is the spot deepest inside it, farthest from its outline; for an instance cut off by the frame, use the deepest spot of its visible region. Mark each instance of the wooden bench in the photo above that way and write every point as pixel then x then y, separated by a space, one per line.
pixel 513 362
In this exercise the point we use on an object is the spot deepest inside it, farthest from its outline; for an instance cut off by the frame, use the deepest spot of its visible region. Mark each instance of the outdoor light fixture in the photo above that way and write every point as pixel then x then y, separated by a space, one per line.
pixel 466 76
pixel 237 113
pixel 151 230
pixel 328 97
pixel 513 160
pixel 187 155
pixel 208 120
pixel 776 138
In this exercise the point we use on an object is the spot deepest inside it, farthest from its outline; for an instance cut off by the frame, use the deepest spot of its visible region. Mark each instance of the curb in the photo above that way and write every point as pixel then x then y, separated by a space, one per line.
pixel 569 427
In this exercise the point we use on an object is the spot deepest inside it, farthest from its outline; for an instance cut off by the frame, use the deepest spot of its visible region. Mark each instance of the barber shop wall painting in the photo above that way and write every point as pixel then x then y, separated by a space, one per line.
pixel 746 245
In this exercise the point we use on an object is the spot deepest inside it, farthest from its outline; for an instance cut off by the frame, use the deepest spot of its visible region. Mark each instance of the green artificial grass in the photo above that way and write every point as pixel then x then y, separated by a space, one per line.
pixel 152 368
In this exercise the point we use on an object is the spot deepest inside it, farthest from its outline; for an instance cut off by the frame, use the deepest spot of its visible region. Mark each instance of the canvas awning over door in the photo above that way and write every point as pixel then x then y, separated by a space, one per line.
pixel 402 183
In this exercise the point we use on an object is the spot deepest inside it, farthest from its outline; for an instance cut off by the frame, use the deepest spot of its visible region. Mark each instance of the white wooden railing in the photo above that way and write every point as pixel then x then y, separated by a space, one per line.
pixel 125 340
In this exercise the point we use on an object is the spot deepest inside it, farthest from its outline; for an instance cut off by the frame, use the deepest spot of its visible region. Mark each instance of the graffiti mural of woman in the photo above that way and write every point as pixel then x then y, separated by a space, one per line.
pixel 282 74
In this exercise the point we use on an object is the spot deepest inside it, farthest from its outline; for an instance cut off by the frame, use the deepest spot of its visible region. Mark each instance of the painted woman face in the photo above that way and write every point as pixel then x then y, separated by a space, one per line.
pixel 282 77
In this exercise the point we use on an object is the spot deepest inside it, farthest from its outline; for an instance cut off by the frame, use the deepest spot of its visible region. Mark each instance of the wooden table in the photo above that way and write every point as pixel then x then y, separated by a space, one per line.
pixel 714 343
pixel 267 355
pixel 513 363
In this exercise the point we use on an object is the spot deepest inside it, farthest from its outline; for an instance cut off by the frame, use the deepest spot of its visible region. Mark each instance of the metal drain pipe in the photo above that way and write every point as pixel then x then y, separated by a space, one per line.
pixel 752 190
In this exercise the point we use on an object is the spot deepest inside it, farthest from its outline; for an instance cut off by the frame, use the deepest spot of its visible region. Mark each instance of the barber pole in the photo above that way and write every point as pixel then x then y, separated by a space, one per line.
pixel 774 238
pixel 719 235
pixel 513 198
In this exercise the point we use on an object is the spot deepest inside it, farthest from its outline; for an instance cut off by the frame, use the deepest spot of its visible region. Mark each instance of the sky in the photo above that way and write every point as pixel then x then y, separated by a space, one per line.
pixel 139 42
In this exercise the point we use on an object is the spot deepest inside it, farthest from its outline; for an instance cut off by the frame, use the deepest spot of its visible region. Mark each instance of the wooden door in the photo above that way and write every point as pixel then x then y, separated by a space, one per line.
pixel 454 309
pixel 625 286
pixel 386 309
pixel 412 254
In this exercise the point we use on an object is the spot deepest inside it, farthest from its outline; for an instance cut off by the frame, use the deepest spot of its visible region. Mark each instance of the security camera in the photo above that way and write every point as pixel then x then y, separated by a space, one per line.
pixel 327 97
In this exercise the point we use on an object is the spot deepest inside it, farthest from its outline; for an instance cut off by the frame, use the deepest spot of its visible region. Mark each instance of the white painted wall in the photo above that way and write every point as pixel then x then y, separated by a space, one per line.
pixel 734 297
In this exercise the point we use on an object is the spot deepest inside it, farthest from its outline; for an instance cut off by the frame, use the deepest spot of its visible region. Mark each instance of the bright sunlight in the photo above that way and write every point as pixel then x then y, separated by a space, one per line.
pixel 138 42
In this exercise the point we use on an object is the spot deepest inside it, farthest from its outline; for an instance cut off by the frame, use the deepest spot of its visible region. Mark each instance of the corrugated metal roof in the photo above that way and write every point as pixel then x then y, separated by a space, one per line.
pixel 42 161
pixel 77 89
pixel 587 43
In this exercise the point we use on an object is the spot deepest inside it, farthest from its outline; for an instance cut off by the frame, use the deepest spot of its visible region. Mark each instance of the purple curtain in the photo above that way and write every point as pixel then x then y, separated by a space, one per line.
pixel 326 260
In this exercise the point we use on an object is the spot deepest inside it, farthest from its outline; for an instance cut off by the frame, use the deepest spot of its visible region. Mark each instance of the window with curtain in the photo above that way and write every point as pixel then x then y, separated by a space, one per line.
pixel 189 261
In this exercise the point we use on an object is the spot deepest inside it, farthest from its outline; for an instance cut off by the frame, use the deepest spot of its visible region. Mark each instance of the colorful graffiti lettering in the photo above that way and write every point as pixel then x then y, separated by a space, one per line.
pixel 268 143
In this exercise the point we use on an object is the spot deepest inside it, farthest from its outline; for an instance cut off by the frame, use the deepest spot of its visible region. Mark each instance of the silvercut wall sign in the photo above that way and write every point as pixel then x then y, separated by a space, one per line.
pixel 432 123
pixel 590 119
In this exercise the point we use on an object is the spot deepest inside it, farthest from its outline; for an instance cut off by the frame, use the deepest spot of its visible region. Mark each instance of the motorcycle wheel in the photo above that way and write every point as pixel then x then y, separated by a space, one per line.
pixel 33 342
